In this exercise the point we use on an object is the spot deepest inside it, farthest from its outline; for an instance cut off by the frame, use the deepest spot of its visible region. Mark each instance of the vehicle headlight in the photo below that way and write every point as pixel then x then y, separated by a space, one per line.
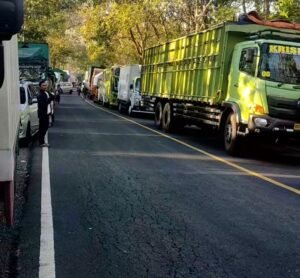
pixel 260 122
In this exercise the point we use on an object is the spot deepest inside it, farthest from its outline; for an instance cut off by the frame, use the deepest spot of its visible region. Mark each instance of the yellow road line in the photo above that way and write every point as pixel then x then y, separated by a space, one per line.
pixel 249 172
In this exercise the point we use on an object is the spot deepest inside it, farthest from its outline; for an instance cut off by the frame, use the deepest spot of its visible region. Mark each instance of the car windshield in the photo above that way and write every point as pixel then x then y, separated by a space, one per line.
pixel 22 95
pixel 280 63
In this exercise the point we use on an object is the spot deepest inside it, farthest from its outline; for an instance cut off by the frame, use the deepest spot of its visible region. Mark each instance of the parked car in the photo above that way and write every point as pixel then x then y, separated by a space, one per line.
pixel 29 122
pixel 66 87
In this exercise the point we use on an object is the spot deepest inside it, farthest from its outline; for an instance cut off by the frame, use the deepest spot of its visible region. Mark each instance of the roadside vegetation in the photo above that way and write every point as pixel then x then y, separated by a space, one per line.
pixel 107 32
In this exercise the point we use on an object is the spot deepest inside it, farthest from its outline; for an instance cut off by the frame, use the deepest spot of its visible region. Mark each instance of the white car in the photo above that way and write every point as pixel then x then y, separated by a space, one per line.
pixel 66 87
pixel 29 121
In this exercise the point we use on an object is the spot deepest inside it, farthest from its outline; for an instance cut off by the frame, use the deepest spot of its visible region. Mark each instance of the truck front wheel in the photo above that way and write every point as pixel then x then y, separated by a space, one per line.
pixel 231 139
pixel 158 115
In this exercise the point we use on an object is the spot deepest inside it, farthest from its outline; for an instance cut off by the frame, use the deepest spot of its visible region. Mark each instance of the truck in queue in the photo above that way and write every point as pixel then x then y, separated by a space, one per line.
pixel 92 86
pixel 242 80
pixel 129 89
pixel 108 86
pixel 11 15
pixel 34 63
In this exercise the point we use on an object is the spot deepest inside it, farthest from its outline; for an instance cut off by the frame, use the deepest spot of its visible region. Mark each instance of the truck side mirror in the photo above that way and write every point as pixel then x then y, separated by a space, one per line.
pixel 131 87
pixel 11 18
pixel 249 55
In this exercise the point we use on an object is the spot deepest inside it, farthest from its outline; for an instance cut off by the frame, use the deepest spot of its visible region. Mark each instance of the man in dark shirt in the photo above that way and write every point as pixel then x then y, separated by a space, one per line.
pixel 43 112
pixel 58 92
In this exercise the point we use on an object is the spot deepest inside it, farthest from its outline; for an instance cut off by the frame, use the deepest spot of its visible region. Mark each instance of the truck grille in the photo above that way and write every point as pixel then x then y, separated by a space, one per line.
pixel 283 108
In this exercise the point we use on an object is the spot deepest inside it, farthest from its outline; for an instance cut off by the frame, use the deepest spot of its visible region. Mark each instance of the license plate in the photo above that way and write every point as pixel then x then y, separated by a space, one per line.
pixel 297 127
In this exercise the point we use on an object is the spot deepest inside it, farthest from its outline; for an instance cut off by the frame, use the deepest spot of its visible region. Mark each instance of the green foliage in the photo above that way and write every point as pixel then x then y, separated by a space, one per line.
pixel 289 9
pixel 108 32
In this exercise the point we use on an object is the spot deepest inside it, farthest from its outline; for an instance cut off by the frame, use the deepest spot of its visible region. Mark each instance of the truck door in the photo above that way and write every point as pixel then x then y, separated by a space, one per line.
pixel 242 81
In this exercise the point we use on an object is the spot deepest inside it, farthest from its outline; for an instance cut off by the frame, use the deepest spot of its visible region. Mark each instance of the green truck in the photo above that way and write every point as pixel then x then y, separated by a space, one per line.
pixel 241 79
pixel 34 63
pixel 107 86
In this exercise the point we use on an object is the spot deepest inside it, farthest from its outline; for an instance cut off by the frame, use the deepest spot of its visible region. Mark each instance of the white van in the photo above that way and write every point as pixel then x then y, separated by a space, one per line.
pixel 29 121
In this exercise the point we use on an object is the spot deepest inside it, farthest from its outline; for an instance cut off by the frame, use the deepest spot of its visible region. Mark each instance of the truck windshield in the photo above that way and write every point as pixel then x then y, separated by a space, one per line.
pixel 138 84
pixel 31 72
pixel 280 63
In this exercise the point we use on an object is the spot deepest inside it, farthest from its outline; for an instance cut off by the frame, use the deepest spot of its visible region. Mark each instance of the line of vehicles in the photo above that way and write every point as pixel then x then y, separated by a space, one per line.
pixel 240 80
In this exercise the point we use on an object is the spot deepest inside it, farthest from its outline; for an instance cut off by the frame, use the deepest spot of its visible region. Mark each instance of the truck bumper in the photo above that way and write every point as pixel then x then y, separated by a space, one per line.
pixel 269 125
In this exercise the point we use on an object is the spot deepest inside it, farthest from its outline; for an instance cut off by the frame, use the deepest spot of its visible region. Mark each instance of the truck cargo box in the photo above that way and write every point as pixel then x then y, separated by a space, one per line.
pixel 196 67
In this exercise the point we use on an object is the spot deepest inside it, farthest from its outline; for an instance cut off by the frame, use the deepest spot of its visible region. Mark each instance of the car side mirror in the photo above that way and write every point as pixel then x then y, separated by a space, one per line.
pixel 33 100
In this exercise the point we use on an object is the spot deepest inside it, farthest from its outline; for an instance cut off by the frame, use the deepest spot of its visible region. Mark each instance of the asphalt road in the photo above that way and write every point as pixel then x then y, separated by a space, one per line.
pixel 129 202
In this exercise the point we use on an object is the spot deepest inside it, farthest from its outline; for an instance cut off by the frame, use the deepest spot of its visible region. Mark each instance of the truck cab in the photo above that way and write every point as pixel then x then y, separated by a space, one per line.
pixel 264 86
pixel 129 88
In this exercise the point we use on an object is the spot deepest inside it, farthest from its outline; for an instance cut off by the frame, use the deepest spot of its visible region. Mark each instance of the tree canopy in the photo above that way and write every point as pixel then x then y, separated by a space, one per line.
pixel 107 32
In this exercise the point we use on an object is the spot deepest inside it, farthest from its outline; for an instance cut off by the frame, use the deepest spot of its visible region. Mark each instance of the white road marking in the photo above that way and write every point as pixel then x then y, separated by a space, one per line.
pixel 47 258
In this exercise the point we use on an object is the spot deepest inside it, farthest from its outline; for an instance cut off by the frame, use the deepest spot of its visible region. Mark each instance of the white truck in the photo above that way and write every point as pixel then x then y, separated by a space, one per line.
pixel 11 20
pixel 129 98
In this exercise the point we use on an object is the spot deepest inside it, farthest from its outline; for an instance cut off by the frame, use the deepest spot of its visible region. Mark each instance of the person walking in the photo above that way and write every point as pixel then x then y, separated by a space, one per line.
pixel 44 111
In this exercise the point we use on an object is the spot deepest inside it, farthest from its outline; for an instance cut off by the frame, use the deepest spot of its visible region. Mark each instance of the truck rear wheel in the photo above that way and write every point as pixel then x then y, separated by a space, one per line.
pixel 231 139
pixel 167 118
pixel 158 115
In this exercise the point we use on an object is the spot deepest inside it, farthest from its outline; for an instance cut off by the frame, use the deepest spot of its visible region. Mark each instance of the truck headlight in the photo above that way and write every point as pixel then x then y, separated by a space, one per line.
pixel 260 122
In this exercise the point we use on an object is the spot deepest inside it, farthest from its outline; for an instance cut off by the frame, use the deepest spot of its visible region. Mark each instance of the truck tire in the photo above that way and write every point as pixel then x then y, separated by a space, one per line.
pixel 129 111
pixel 167 118
pixel 231 139
pixel 158 115
pixel 120 108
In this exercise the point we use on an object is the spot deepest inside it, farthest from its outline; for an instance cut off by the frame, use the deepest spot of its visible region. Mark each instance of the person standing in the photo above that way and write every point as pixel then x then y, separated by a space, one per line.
pixel 58 92
pixel 44 111
pixel 52 98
